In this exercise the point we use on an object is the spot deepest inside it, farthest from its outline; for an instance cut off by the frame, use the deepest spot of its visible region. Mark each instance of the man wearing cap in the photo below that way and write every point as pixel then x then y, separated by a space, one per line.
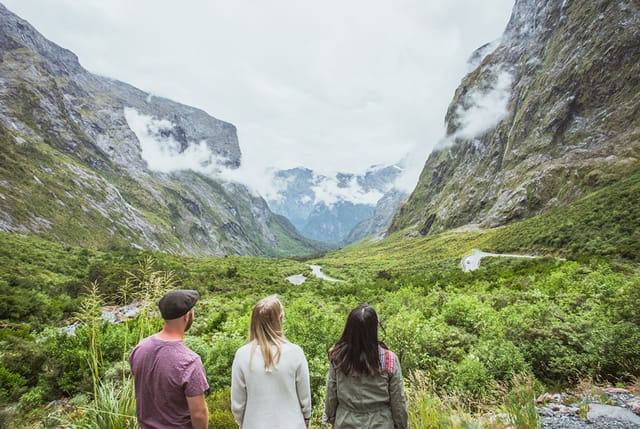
pixel 169 378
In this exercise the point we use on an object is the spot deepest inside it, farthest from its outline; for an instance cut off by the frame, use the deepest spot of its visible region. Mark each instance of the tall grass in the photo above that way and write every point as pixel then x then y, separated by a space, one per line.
pixel 90 312
pixel 146 286
pixel 113 405
pixel 429 409
pixel 433 408
pixel 519 403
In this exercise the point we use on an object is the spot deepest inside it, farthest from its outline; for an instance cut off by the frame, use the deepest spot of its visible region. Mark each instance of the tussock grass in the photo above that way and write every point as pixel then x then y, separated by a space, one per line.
pixel 112 405
pixel 508 405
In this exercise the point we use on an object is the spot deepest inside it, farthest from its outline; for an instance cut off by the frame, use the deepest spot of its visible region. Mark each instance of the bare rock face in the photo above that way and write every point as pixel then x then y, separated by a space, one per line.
pixel 549 114
pixel 72 167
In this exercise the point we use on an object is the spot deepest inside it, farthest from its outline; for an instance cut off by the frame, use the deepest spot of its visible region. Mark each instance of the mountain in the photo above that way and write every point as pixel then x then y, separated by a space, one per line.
pixel 79 162
pixel 377 223
pixel 550 113
pixel 340 209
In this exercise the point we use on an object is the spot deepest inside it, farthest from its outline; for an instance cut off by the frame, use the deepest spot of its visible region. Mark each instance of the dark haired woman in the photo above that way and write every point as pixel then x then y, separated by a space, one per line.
pixel 364 385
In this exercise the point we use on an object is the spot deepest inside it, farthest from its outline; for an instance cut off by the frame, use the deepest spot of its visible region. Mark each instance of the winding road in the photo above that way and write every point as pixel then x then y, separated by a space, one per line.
pixel 472 262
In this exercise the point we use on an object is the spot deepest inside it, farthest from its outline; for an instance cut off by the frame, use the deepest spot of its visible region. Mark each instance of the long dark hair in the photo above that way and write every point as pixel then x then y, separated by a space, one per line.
pixel 356 352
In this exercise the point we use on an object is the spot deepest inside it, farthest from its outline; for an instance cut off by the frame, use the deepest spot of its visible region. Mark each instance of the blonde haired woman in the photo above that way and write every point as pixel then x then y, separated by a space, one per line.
pixel 270 376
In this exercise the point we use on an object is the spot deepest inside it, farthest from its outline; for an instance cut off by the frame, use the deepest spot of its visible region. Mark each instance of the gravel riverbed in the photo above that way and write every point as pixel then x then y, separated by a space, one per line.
pixel 610 408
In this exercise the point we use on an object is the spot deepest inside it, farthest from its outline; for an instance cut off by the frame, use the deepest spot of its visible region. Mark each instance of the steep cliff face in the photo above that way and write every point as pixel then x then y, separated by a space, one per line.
pixel 550 113
pixel 74 169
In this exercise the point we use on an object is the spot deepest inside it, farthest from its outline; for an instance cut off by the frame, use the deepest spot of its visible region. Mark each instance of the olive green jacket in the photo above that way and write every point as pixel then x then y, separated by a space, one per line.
pixel 373 402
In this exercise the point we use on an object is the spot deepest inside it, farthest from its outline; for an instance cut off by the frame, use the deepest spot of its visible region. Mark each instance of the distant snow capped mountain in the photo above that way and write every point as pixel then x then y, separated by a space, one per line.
pixel 328 209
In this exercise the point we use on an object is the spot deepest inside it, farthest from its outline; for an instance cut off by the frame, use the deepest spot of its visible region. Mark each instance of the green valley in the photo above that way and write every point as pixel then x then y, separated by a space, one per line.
pixel 540 157
pixel 469 334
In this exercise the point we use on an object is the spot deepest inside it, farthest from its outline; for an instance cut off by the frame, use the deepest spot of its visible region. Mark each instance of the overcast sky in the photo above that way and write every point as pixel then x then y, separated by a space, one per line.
pixel 329 85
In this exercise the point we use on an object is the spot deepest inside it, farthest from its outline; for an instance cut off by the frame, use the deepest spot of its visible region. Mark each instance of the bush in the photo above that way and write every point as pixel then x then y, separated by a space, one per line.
pixel 218 358
pixel 220 416
pixel 472 380
pixel 11 384
pixel 501 358
pixel 65 372
pixel 466 312
pixel 31 400
pixel 405 333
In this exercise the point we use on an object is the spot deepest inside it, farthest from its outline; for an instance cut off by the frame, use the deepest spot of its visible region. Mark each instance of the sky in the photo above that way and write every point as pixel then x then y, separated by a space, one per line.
pixel 328 85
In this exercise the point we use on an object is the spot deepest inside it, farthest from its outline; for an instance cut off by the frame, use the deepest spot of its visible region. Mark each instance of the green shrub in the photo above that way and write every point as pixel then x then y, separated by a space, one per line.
pixel 220 416
pixel 218 358
pixel 501 358
pixel 472 380
pixel 31 400
pixel 11 384
pixel 447 342
pixel 466 312
pixel 65 369
pixel 405 334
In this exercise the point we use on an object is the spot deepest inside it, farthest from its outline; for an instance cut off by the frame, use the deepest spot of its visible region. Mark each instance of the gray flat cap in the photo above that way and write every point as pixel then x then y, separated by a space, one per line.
pixel 177 303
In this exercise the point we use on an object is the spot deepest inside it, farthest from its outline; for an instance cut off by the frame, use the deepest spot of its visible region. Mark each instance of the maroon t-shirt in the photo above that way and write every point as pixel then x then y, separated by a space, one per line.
pixel 165 373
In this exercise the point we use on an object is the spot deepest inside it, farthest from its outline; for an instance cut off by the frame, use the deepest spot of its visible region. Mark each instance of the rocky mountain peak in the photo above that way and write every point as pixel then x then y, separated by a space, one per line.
pixel 17 32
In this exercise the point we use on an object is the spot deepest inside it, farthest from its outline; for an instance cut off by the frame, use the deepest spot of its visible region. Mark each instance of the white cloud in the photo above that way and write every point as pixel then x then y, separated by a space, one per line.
pixel 329 191
pixel 163 153
pixel 486 107
pixel 260 180
pixel 481 109
pixel 326 189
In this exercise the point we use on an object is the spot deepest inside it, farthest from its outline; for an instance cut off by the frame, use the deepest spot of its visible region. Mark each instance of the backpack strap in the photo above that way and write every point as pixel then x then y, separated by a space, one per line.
pixel 387 359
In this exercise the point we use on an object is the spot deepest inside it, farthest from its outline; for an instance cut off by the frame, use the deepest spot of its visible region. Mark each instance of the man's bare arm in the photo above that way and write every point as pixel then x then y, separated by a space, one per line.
pixel 199 411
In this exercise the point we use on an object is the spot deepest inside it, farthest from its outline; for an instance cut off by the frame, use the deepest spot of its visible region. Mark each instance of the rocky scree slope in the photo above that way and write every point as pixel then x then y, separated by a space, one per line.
pixel 550 113
pixel 72 168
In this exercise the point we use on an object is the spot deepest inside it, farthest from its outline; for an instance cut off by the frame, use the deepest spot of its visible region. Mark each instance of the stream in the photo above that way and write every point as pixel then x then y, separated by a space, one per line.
pixel 316 270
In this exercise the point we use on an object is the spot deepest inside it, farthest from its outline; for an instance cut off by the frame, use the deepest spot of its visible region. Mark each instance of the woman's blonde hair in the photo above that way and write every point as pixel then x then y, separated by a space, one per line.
pixel 266 330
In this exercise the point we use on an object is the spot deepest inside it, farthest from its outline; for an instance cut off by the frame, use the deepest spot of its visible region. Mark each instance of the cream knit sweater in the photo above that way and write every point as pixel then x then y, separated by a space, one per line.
pixel 278 398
